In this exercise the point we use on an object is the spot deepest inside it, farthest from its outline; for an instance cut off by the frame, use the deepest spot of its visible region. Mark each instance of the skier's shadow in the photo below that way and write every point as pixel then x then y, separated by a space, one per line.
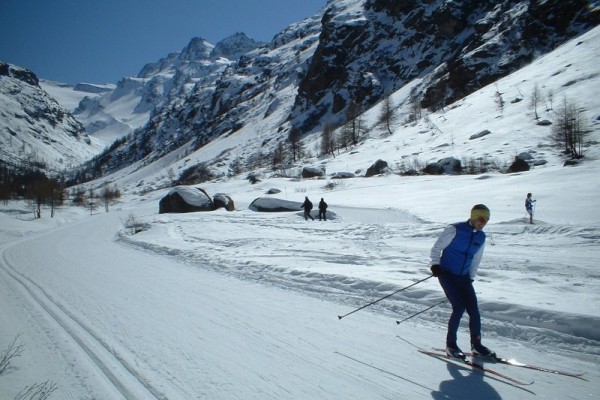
pixel 471 385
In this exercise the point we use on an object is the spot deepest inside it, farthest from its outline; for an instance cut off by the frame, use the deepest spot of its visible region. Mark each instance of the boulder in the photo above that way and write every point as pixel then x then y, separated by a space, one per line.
pixel 313 172
pixel 450 165
pixel 480 134
pixel 183 199
pixel 270 204
pixel 342 175
pixel 519 165
pixel 433 169
pixel 378 168
pixel 223 201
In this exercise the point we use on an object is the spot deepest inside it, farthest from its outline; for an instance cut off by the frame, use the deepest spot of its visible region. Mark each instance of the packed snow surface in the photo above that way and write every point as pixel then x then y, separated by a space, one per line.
pixel 242 304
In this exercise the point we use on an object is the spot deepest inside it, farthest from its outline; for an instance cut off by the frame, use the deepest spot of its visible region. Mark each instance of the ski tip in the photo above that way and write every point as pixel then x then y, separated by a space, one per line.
pixel 339 317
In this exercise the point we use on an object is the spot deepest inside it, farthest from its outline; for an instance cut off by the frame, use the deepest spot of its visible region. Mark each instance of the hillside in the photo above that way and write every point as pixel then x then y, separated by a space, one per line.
pixel 567 73
pixel 322 70
pixel 34 129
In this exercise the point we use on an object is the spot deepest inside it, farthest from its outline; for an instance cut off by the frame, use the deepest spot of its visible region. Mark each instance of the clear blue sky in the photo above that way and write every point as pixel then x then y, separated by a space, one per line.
pixel 101 41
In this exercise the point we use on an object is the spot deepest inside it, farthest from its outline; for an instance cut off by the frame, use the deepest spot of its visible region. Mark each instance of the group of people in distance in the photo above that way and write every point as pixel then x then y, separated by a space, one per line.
pixel 307 206
pixel 454 260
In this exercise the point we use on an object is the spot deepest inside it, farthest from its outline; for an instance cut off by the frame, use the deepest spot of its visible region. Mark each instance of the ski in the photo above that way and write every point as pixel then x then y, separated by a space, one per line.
pixel 474 365
pixel 515 363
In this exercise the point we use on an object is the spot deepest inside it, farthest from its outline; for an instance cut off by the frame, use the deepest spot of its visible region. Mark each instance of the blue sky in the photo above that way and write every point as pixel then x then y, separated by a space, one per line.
pixel 101 41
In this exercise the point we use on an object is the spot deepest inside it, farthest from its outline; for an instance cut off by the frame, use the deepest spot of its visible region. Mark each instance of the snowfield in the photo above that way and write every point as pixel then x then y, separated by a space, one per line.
pixel 245 305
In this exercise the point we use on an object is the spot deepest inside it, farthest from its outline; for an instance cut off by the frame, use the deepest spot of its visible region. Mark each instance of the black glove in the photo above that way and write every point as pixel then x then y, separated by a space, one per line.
pixel 436 270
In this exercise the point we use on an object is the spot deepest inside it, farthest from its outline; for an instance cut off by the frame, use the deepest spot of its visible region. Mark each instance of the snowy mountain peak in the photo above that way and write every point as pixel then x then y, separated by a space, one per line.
pixel 36 130
pixel 19 73
pixel 234 46
pixel 197 49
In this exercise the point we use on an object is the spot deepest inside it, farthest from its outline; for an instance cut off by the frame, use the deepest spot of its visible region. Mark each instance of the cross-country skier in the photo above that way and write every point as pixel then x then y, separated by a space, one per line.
pixel 529 203
pixel 455 257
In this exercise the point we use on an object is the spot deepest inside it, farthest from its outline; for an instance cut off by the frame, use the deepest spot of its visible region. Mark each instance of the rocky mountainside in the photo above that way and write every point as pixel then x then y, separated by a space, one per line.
pixel 317 72
pixel 35 131
pixel 131 103
pixel 353 55
pixel 371 48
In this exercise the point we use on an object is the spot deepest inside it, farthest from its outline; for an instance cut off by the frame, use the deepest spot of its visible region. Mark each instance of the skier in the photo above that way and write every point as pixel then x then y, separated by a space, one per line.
pixel 529 204
pixel 307 206
pixel 322 209
pixel 455 257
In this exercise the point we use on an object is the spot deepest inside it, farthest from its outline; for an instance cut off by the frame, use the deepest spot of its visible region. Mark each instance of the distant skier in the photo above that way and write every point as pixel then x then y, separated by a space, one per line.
pixel 529 205
pixel 307 206
pixel 455 257
pixel 322 209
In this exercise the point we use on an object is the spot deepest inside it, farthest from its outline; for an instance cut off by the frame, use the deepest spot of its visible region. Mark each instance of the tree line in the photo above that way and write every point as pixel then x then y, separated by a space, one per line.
pixel 39 190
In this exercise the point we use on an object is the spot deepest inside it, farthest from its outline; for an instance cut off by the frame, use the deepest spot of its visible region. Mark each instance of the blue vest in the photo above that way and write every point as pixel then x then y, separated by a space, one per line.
pixel 458 256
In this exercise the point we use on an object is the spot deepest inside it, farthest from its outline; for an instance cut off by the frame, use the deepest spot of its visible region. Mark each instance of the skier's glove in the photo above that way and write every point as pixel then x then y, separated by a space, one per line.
pixel 436 270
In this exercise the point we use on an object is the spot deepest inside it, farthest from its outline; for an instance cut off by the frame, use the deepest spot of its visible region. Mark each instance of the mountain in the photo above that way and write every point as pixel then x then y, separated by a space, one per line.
pixel 372 48
pixel 118 110
pixel 343 62
pixel 35 129
pixel 328 71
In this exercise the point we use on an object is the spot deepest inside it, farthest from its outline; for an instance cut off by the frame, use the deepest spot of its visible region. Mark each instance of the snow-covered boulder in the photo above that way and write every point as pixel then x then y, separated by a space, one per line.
pixel 342 175
pixel 222 200
pixel 378 168
pixel 312 172
pixel 182 199
pixel 480 134
pixel 270 204
pixel 448 165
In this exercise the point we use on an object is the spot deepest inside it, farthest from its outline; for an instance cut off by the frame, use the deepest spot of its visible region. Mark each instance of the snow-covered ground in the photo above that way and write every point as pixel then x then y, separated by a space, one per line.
pixel 245 305
pixel 227 305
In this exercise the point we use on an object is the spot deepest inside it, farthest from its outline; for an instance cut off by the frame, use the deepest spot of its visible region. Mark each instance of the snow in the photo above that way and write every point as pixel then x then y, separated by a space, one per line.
pixel 191 195
pixel 245 305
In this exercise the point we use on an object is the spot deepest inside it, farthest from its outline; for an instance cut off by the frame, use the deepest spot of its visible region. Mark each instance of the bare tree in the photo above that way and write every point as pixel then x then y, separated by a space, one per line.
pixel 92 201
pixel 328 139
pixel 499 100
pixel 278 154
pixel 295 143
pixel 535 99
pixel 387 115
pixel 78 197
pixel 415 109
pixel 550 97
pixel 569 129
pixel 14 350
pixel 354 121
pixel 37 391
pixel 109 195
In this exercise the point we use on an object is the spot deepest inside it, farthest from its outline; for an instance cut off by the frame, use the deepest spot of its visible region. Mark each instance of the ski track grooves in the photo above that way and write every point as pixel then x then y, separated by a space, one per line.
pixel 113 367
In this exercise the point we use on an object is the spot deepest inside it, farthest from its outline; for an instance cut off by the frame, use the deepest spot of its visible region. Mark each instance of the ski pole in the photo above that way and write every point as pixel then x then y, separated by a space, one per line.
pixel 384 297
pixel 421 312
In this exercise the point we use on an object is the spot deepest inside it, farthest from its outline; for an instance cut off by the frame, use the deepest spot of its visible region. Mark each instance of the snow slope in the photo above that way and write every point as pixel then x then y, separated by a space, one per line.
pixel 244 305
